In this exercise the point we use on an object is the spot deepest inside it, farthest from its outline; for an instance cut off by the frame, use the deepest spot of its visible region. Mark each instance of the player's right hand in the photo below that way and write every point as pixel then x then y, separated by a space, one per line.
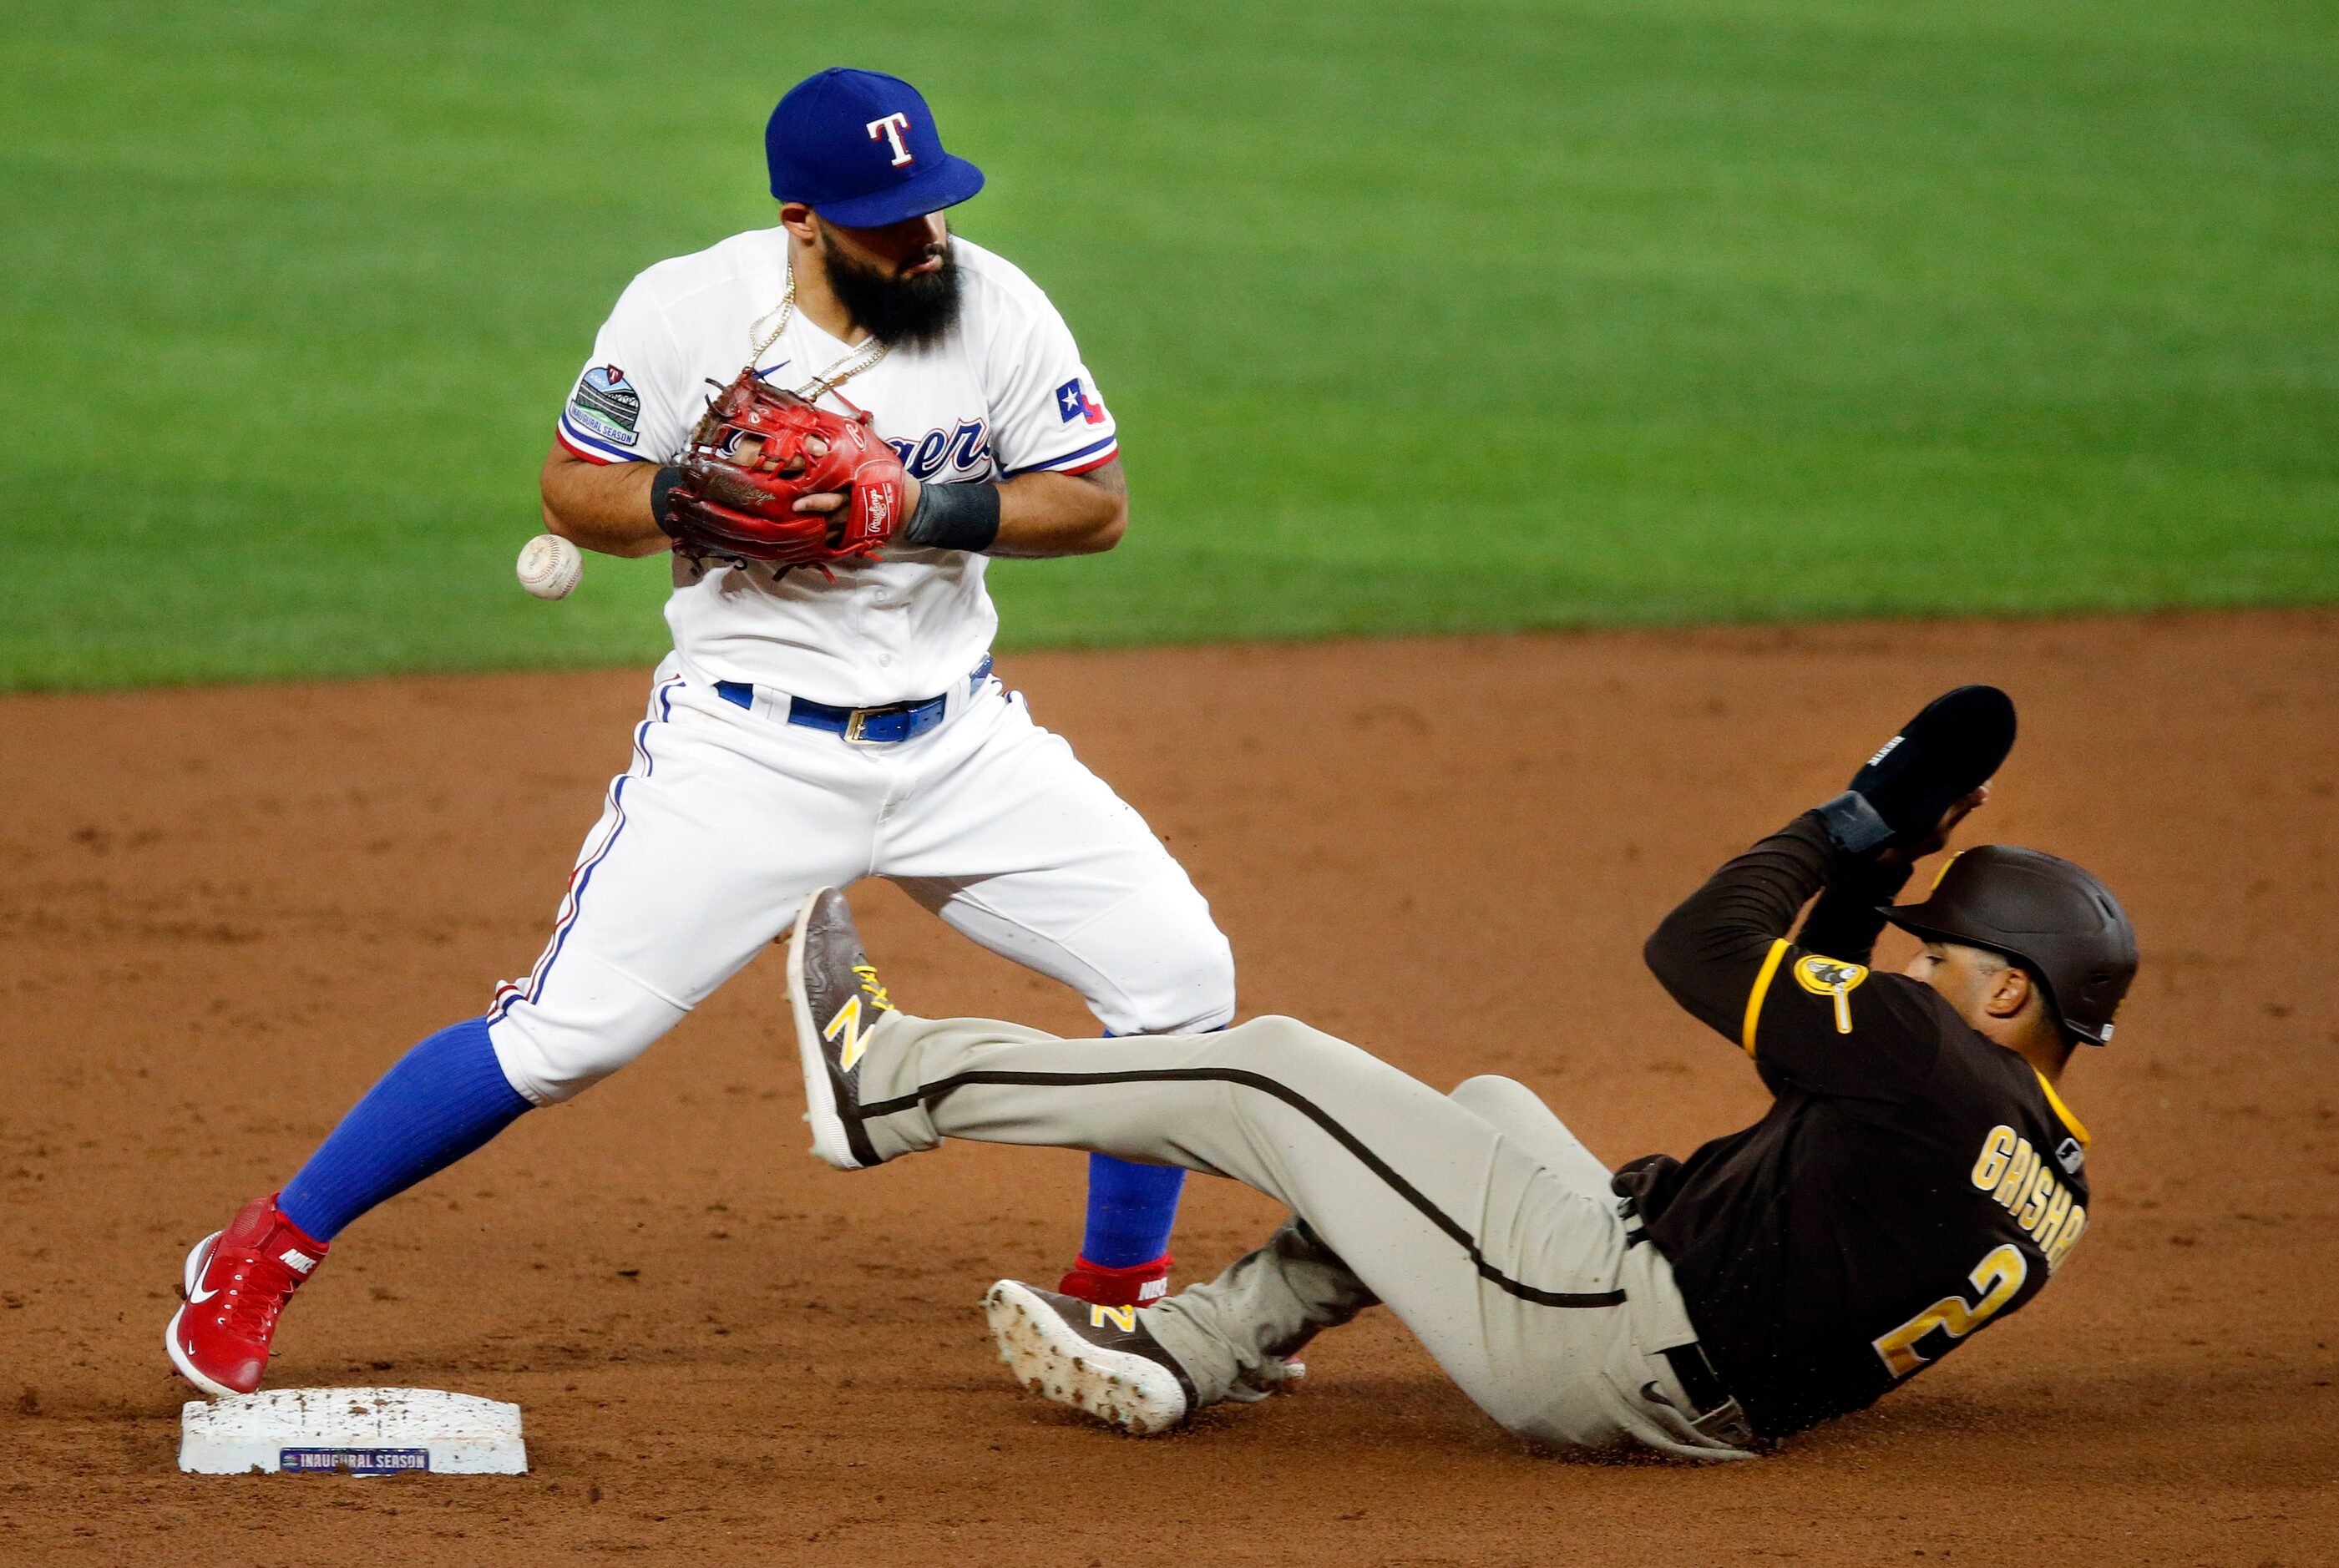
pixel 1938 838
pixel 770 477
pixel 1898 798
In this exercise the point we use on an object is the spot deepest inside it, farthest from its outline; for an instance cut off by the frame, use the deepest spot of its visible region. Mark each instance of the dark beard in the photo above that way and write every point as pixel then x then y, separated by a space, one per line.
pixel 900 313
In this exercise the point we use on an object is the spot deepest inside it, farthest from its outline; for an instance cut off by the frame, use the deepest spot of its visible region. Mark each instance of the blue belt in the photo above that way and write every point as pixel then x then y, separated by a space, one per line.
pixel 885 725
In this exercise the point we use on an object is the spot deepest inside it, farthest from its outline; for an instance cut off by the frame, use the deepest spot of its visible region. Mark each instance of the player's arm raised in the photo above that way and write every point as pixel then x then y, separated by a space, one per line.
pixel 1725 943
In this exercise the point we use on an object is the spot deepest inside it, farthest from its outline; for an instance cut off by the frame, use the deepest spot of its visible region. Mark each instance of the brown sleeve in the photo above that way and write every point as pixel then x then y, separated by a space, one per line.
pixel 1710 951
pixel 1811 1020
pixel 1845 922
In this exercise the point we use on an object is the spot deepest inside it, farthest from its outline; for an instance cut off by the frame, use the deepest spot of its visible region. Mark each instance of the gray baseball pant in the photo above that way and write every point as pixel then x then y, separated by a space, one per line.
pixel 1479 1218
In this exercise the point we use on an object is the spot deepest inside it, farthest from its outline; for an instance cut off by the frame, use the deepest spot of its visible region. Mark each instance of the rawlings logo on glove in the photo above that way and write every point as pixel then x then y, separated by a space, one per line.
pixel 758 451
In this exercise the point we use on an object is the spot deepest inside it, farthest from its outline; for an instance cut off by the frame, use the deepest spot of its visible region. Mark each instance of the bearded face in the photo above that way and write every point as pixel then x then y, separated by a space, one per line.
pixel 900 308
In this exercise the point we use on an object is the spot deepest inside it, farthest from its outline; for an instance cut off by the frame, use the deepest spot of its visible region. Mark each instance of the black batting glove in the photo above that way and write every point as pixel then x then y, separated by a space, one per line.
pixel 1940 757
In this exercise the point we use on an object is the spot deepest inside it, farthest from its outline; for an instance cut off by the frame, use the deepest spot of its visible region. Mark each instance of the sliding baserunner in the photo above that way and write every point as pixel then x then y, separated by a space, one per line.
pixel 1916 1178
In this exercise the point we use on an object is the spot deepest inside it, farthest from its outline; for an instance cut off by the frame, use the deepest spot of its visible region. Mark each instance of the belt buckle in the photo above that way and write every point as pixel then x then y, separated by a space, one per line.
pixel 855 723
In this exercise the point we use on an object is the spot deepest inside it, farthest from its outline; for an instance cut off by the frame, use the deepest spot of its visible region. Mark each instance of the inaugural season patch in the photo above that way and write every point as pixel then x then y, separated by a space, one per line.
pixel 1823 976
pixel 607 406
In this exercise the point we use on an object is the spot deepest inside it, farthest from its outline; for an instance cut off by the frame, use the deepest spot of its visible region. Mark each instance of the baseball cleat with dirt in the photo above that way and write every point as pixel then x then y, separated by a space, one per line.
pixel 1098 1360
pixel 838 1001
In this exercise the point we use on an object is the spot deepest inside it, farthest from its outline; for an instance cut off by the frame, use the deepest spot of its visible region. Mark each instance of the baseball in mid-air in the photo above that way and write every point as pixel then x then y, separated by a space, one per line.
pixel 551 566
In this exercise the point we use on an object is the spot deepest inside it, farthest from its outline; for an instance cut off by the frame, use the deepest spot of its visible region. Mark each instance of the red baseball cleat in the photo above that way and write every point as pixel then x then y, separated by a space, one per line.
pixel 237 1283
pixel 1139 1285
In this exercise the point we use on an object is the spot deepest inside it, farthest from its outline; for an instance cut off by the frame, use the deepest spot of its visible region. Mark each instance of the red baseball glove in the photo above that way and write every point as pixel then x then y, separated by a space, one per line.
pixel 758 450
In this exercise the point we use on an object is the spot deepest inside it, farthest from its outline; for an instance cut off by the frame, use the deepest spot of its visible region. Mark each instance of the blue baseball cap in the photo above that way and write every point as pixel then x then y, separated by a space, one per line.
pixel 861 149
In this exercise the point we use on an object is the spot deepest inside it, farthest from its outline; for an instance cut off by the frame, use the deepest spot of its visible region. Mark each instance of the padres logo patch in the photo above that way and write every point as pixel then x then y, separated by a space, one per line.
pixel 1823 976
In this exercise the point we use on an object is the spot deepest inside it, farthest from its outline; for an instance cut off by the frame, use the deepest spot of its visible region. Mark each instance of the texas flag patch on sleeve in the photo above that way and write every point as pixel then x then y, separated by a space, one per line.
pixel 1073 402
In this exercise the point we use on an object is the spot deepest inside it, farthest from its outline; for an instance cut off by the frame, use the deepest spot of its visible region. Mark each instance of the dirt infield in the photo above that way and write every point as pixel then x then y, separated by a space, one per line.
pixel 222 912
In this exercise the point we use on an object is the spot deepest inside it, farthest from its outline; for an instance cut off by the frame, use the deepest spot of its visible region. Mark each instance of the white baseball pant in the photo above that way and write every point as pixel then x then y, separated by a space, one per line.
pixel 728 817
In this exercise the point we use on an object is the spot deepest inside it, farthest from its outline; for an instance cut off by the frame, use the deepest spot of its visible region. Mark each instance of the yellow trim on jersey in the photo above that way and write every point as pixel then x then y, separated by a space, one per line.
pixel 1762 989
pixel 2063 1111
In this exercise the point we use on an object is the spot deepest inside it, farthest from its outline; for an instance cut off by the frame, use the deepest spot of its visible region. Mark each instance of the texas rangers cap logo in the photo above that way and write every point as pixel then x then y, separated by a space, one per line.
pixel 861 149
pixel 891 127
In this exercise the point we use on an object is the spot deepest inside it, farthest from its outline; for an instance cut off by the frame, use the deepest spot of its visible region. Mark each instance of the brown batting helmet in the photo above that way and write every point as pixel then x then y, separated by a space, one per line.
pixel 2050 916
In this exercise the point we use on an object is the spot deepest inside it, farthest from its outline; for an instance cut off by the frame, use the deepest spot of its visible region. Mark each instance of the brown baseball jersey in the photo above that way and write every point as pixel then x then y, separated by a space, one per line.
pixel 1912 1180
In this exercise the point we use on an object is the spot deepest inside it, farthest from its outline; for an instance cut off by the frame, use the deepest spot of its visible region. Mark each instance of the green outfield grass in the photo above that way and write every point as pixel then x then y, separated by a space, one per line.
pixel 1425 317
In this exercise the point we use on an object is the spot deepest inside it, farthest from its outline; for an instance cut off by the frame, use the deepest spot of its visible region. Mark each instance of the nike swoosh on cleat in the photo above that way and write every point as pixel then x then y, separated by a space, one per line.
pixel 197 1296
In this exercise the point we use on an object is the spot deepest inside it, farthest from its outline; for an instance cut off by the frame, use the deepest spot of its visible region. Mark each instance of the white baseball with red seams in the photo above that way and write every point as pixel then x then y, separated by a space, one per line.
pixel 551 566
pixel 730 814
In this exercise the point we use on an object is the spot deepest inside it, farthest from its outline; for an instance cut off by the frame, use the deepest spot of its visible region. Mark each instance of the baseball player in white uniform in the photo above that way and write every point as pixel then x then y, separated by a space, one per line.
pixel 810 728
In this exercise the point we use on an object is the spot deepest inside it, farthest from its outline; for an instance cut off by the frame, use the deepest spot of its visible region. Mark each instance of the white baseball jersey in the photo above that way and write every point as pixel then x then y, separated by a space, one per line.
pixel 1004 393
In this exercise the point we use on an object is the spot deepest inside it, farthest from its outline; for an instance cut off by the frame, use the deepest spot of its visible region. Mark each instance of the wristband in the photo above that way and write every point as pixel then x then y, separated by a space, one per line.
pixel 663 485
pixel 954 518
pixel 1853 823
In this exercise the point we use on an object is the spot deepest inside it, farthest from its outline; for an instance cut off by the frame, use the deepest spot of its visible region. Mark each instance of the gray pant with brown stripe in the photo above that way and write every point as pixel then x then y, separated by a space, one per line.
pixel 1478 1217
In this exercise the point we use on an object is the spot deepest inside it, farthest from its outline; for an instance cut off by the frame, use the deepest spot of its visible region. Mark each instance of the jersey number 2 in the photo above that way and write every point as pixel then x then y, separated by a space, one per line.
pixel 1997 1277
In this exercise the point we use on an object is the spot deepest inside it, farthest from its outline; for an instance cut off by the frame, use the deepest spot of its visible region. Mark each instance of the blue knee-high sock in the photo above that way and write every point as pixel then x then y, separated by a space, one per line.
pixel 443 1099
pixel 1132 1207
pixel 1131 1210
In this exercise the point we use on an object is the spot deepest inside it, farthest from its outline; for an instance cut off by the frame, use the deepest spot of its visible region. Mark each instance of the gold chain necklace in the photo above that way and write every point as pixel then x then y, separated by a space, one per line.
pixel 837 374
